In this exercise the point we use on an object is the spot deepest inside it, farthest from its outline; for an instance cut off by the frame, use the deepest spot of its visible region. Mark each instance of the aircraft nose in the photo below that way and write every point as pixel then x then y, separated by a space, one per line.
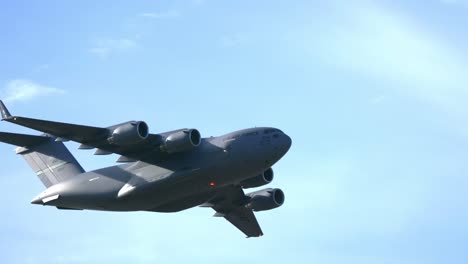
pixel 287 143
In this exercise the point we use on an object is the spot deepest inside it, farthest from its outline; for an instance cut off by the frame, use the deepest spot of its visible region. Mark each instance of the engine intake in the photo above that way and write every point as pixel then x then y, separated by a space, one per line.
pixel 259 180
pixel 265 199
pixel 182 141
pixel 129 133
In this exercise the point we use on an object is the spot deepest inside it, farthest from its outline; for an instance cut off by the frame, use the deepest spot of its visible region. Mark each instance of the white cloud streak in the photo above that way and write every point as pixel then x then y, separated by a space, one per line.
pixel 198 2
pixel 161 15
pixel 455 2
pixel 371 40
pixel 104 47
pixel 42 67
pixel 25 90
pixel 234 40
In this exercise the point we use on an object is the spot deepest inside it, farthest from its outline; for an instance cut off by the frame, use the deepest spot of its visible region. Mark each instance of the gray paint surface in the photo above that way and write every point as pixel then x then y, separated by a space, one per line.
pixel 209 174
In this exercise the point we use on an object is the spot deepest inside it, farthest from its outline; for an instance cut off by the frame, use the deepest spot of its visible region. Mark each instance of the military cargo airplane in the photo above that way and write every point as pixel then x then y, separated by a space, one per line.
pixel 166 172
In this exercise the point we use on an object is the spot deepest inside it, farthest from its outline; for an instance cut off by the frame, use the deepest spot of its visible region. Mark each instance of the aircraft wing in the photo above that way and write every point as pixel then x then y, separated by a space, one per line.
pixel 21 140
pixel 78 133
pixel 88 136
pixel 230 204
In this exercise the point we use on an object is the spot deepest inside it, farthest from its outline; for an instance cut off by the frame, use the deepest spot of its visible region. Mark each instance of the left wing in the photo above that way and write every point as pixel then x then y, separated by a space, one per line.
pixel 89 136
pixel 230 204
pixel 21 140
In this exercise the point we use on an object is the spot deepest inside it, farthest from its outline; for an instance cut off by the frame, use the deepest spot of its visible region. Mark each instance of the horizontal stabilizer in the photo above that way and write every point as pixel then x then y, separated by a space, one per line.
pixel 22 140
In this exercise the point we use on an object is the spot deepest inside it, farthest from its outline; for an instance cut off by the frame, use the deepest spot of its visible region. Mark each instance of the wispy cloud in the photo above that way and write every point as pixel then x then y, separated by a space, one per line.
pixel 198 2
pixel 42 67
pixel 377 99
pixel 25 90
pixel 372 40
pixel 104 47
pixel 160 15
pixel 452 2
pixel 234 40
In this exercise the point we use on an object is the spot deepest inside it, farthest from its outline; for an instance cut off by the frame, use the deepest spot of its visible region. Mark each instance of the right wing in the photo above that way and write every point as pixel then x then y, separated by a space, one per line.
pixel 230 204
pixel 91 137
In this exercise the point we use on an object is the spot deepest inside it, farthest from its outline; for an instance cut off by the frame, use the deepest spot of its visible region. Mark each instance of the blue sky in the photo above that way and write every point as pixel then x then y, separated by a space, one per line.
pixel 373 94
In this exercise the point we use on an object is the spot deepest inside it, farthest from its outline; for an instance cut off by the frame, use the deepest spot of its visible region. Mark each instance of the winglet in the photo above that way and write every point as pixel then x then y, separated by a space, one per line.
pixel 5 113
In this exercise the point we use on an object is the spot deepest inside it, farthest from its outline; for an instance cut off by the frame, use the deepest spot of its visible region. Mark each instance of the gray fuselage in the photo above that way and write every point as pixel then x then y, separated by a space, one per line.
pixel 177 182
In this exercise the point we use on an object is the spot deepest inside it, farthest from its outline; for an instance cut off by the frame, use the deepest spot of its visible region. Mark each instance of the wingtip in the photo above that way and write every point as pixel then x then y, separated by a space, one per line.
pixel 5 113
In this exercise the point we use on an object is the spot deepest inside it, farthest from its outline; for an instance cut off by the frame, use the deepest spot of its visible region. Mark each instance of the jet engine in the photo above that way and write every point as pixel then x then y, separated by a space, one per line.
pixel 259 180
pixel 182 141
pixel 265 199
pixel 129 133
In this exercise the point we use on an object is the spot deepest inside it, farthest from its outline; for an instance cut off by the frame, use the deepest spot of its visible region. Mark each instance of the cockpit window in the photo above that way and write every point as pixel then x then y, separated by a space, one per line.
pixel 253 133
pixel 270 130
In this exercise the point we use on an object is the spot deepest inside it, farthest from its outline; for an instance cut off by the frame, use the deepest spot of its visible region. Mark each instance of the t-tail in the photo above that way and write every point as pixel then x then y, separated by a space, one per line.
pixel 49 159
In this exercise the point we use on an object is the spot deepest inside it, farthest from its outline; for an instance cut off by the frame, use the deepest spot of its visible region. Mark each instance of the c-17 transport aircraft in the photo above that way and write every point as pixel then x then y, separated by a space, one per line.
pixel 166 172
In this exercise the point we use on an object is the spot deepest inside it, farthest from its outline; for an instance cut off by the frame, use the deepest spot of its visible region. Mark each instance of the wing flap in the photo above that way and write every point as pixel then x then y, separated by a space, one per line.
pixel 245 221
pixel 230 204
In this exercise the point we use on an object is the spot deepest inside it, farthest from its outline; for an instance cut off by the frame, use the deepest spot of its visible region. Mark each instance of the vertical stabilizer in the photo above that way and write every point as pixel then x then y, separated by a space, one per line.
pixel 49 159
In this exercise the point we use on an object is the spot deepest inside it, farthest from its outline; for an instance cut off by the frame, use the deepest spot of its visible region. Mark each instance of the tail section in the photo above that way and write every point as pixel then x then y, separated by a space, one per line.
pixel 50 159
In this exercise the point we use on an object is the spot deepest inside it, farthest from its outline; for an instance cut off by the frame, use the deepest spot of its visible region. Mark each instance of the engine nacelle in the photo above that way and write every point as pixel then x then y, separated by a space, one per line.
pixel 265 199
pixel 129 133
pixel 259 180
pixel 182 141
